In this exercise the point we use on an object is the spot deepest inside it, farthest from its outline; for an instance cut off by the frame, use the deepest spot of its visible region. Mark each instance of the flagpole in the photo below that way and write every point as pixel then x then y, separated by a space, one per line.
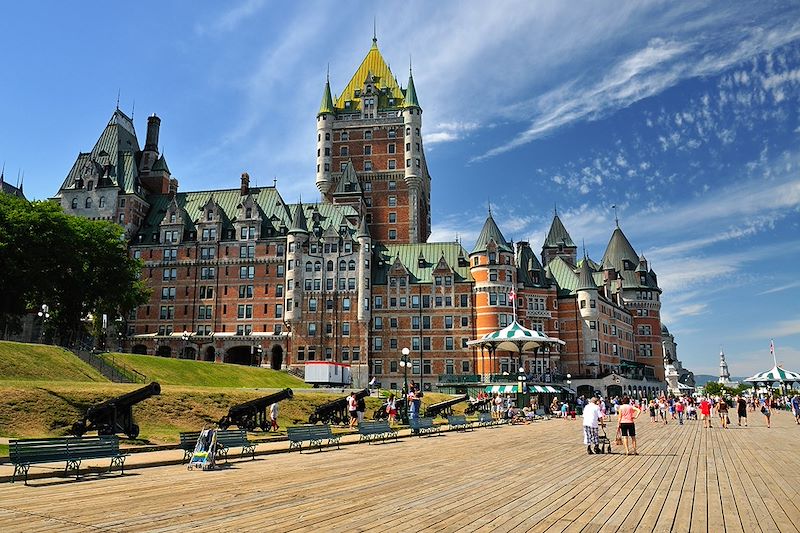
pixel 772 350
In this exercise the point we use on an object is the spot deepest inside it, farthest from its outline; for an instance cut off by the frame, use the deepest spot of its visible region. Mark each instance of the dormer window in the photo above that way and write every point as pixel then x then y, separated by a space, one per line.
pixel 210 214
pixel 357 93
pixel 90 186
pixel 492 257
pixel 172 218
pixel 248 213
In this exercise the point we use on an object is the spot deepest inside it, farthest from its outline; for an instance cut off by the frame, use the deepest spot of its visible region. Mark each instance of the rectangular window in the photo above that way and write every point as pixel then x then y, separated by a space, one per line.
pixel 278 310
pixel 345 304
pixel 414 322
pixel 448 343
pixel 392 218
pixel 392 165
pixel 346 329
pixel 378 322
pixel 392 234
pixel 426 322
pixel 377 344
pixel 393 201
pixel 426 343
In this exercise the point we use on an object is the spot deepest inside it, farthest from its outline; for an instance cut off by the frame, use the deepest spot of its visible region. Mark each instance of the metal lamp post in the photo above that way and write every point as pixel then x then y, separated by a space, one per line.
pixel 44 313
pixel 405 362
pixel 521 379
pixel 185 337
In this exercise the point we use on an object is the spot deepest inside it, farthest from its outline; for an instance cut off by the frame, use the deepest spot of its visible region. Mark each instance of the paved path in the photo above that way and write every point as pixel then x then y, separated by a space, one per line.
pixel 515 478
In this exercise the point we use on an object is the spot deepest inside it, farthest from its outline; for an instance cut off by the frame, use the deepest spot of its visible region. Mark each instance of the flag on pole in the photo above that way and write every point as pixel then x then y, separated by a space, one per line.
pixel 512 296
pixel 771 347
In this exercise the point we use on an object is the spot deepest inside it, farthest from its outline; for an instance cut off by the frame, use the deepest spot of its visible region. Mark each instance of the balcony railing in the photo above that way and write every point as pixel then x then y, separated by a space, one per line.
pixel 463 378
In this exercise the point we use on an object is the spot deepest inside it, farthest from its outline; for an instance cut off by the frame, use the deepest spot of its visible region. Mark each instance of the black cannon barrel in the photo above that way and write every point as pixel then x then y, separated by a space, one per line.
pixel 133 397
pixel 335 410
pixel 438 408
pixel 478 406
pixel 269 399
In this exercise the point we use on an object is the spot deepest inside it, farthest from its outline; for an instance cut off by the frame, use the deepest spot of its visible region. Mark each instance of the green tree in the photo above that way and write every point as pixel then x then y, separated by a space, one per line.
pixel 75 265
pixel 712 388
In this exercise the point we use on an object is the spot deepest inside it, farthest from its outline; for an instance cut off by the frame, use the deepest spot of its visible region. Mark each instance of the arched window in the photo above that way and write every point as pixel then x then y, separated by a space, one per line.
pixel 74 203
pixel 408 131
pixel 102 202
pixel 342 266
pixel 88 202
pixel 329 266
pixel 308 266
pixel 317 266
pixel 351 265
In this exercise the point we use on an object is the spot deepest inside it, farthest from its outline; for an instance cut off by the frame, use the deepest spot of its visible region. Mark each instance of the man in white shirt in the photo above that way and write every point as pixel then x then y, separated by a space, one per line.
pixel 591 420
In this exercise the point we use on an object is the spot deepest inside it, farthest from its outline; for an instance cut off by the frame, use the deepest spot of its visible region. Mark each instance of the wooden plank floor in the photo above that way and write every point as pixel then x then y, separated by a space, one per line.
pixel 519 478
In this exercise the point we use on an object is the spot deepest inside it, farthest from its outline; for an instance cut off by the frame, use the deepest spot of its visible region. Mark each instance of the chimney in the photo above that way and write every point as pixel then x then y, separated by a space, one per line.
pixel 153 125
pixel 173 187
pixel 245 183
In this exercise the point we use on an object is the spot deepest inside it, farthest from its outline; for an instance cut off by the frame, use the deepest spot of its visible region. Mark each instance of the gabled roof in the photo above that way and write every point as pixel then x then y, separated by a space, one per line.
pixel 490 232
pixel 348 182
pixel 408 254
pixel 374 65
pixel 527 263
pixel 160 165
pixel 363 231
pixel 558 235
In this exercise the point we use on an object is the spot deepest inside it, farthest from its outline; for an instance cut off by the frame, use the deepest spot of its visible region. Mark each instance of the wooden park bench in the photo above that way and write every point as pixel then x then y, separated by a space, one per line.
pixel 25 452
pixel 486 420
pixel 380 430
pixel 231 438
pixel 459 423
pixel 313 434
pixel 423 426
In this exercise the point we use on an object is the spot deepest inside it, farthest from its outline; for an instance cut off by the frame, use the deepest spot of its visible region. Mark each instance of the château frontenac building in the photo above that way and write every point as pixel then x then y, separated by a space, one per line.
pixel 243 275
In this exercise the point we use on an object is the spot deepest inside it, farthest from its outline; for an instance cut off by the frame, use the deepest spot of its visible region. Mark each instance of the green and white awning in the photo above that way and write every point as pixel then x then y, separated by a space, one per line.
pixel 547 389
pixel 516 338
pixel 502 389
pixel 776 375
pixel 512 389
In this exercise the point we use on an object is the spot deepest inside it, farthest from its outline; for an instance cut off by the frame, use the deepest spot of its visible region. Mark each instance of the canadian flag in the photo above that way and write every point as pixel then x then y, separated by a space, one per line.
pixel 512 296
pixel 771 347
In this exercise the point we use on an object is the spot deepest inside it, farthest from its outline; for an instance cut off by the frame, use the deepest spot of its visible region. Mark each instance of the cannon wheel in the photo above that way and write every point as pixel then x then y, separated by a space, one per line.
pixel 223 423
pixel 79 428
pixel 134 432
pixel 265 425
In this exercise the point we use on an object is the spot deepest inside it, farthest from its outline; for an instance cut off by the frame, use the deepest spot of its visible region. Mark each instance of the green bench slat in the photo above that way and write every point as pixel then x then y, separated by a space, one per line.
pixel 370 431
pixel 25 452
pixel 231 438
pixel 313 434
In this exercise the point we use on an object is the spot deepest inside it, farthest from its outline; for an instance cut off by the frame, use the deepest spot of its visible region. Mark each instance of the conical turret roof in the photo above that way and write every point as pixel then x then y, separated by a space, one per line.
pixel 299 224
pixel 558 235
pixel 375 65
pixel 327 101
pixel 618 250
pixel 585 277
pixel 490 232
pixel 411 93
pixel 160 165
pixel 363 231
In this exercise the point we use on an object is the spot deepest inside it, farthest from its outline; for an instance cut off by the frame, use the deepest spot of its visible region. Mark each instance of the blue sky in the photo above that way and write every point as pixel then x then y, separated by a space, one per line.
pixel 685 115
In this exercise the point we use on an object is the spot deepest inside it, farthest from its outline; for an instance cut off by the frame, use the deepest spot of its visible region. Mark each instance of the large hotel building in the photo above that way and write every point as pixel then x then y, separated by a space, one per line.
pixel 240 275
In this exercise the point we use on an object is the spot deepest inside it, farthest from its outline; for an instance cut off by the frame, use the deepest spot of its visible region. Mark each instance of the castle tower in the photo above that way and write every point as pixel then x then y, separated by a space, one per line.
pixel 295 241
pixel 373 129
pixel 491 266
pixel 364 252
pixel 587 293
pixel 558 243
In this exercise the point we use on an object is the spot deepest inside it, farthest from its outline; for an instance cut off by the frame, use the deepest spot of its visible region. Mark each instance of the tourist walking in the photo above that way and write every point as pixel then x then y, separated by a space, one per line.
pixel 722 410
pixel 679 409
pixel 705 412
pixel 626 426
pixel 653 411
pixel 352 408
pixel 391 409
pixel 592 417
pixel 796 408
pixel 273 417
pixel 497 406
pixel 361 407
pixel 765 409
pixel 741 410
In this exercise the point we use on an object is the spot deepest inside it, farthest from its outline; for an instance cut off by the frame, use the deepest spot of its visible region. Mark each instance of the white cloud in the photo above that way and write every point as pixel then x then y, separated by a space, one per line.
pixel 449 131
pixel 232 18
pixel 781 288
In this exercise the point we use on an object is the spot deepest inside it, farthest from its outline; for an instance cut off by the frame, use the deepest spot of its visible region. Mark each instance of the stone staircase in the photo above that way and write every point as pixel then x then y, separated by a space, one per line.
pixel 118 373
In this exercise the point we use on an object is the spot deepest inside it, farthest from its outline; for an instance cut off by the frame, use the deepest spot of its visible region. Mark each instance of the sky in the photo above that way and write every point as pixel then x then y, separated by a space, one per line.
pixel 683 115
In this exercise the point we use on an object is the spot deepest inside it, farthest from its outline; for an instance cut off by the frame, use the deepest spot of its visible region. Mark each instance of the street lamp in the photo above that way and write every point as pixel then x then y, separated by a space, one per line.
pixel 44 313
pixel 521 379
pixel 185 337
pixel 405 362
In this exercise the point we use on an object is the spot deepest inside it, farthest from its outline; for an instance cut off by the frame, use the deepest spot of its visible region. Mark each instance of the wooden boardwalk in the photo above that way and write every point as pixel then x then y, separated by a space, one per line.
pixel 519 478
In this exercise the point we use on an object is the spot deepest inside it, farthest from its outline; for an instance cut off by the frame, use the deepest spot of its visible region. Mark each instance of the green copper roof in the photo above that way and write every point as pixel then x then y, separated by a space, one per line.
pixel 408 254
pixel 348 181
pixel 564 275
pixel 618 251
pixel 490 232
pixel 161 165
pixel 327 101
pixel 558 235
pixel 411 93
pixel 585 277
pixel 299 221
pixel 527 265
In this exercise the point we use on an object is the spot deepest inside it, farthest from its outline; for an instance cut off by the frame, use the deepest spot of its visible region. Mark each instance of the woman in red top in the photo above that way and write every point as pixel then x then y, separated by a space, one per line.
pixel 625 425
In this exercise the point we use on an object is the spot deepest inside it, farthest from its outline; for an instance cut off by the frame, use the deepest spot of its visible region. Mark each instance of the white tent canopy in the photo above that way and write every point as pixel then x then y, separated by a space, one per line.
pixel 776 375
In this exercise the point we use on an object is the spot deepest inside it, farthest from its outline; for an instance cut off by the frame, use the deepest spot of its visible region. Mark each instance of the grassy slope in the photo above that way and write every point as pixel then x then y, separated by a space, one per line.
pixel 183 372
pixel 31 409
pixel 20 361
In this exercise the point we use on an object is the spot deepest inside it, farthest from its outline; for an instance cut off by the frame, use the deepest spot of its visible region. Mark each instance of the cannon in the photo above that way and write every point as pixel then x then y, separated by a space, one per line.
pixel 445 407
pixel 381 414
pixel 335 411
pixel 253 414
pixel 479 406
pixel 115 415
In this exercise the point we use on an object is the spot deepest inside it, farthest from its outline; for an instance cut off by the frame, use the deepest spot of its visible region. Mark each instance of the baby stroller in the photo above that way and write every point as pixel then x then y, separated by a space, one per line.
pixel 603 441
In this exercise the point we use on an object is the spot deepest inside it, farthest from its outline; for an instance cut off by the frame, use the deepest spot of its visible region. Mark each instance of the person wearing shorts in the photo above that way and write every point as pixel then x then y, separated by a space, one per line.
pixel 352 407
pixel 741 410
pixel 625 424
pixel 705 412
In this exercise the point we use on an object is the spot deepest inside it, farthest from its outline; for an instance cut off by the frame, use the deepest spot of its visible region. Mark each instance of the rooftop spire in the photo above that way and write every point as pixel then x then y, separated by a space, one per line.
pixel 411 92
pixel 616 218
pixel 375 29
pixel 326 106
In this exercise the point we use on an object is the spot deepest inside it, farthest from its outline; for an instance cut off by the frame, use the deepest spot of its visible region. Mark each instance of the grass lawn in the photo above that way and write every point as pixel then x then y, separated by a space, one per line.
pixel 48 409
pixel 169 371
pixel 19 361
